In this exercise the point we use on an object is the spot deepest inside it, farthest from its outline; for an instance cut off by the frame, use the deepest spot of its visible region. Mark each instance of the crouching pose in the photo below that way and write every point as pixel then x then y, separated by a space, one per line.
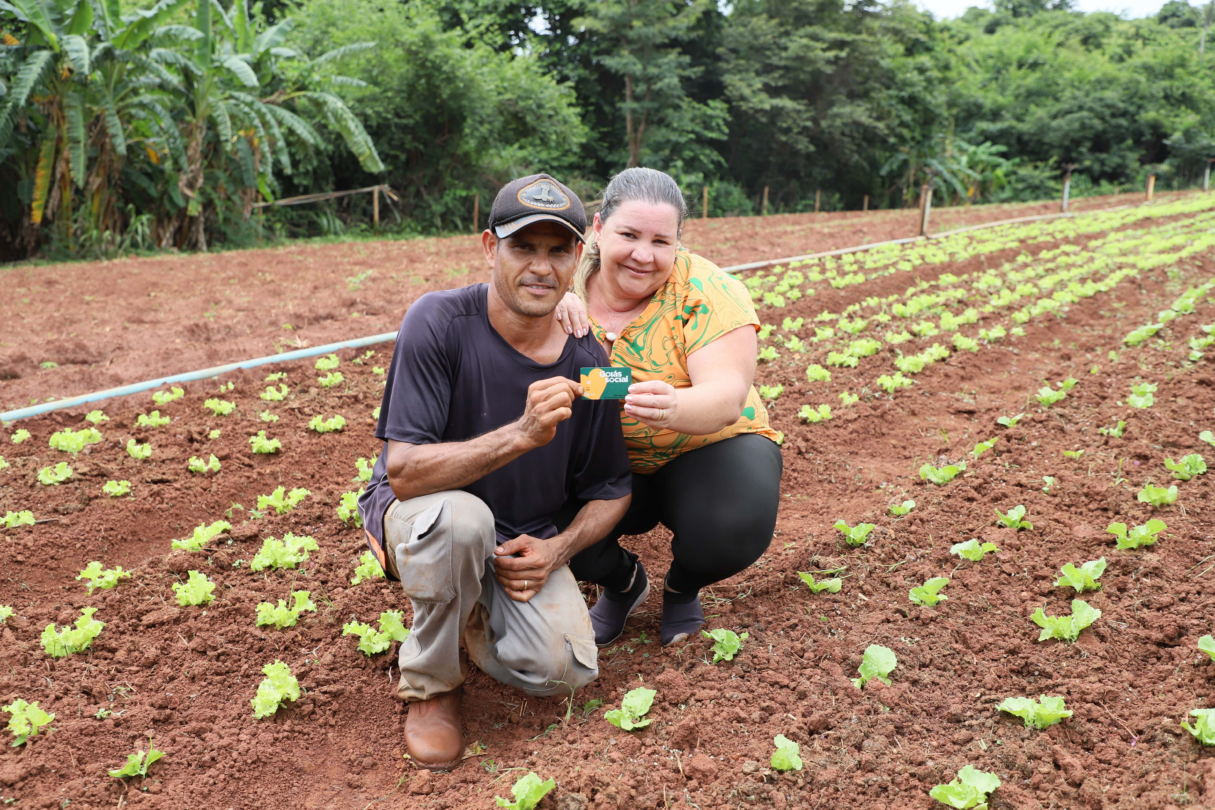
pixel 486 439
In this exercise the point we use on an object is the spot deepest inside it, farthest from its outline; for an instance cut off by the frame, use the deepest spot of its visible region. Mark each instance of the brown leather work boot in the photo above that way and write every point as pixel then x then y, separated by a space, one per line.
pixel 434 733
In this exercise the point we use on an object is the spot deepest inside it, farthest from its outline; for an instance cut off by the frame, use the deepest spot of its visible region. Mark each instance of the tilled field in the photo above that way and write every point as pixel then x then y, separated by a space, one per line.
pixel 1050 303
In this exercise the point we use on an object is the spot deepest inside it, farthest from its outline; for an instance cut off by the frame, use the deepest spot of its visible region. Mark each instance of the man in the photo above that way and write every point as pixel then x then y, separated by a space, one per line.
pixel 486 439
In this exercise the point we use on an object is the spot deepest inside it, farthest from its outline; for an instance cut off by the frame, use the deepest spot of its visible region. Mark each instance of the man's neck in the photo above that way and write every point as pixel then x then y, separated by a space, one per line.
pixel 540 339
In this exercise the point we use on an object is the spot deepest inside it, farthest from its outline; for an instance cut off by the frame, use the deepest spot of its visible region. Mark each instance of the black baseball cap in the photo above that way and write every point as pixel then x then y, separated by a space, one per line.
pixel 536 198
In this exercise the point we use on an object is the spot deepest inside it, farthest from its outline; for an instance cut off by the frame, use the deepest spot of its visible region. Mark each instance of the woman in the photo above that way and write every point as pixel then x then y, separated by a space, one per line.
pixel 705 461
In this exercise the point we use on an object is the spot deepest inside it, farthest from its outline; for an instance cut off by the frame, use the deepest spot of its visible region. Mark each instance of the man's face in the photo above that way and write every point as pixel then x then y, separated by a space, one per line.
pixel 532 267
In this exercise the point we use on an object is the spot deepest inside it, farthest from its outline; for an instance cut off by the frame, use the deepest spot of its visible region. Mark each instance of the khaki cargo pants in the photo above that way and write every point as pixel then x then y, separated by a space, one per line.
pixel 441 546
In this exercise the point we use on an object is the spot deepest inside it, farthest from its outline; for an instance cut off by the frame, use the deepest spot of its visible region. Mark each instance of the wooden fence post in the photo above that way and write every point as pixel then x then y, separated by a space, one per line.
pixel 705 209
pixel 476 210
pixel 865 205
pixel 925 207
pixel 818 195
pixel 375 208
pixel 765 201
pixel 1067 184
pixel 1151 186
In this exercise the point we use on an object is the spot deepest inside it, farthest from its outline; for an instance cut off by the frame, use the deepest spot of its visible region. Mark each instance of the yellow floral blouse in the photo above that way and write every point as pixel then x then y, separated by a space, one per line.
pixel 698 304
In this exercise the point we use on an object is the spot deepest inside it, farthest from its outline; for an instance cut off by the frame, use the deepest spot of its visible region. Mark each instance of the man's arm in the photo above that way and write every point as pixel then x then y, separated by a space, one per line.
pixel 523 576
pixel 415 470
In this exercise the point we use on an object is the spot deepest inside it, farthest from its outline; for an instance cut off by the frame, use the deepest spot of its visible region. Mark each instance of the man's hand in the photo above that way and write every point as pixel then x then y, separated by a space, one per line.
pixel 549 402
pixel 524 575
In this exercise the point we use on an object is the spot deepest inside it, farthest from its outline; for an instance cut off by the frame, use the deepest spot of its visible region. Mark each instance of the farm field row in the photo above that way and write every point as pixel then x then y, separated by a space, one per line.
pixel 75 328
pixel 186 675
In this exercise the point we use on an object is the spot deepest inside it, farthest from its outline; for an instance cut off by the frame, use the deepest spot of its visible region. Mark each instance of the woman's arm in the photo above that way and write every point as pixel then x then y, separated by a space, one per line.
pixel 721 373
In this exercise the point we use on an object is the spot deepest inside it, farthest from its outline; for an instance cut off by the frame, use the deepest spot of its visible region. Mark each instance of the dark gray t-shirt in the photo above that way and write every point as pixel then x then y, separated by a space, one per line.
pixel 453 378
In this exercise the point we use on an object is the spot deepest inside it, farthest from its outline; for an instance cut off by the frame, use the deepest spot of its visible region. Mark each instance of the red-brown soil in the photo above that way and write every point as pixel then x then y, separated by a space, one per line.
pixel 109 323
pixel 186 677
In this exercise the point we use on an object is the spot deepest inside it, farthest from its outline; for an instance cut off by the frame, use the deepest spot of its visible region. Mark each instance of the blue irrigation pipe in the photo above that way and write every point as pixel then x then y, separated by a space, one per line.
pixel 204 374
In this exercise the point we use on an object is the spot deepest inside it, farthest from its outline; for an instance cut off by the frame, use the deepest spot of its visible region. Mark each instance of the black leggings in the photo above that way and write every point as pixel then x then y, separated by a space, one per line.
pixel 719 501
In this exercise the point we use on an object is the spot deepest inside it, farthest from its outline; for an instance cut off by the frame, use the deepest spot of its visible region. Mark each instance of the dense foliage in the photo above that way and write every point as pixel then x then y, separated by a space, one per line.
pixel 125 128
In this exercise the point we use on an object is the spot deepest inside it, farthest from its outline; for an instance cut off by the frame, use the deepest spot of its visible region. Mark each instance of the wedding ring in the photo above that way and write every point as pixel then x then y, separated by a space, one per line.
pixel 525 584
pixel 662 414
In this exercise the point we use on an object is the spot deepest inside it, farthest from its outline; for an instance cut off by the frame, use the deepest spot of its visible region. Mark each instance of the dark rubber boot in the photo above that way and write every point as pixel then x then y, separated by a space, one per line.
pixel 611 612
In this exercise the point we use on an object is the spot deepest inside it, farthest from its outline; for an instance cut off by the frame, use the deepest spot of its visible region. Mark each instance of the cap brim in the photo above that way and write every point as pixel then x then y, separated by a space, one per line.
pixel 517 225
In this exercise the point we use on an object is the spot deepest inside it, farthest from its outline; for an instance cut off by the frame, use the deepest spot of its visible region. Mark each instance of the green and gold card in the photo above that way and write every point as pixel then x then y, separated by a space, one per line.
pixel 606 383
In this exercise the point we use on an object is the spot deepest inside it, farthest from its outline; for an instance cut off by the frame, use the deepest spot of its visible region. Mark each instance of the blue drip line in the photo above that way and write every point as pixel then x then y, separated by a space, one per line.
pixel 206 373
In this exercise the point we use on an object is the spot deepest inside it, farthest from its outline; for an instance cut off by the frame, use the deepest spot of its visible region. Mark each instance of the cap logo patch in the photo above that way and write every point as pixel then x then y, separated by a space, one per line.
pixel 544 195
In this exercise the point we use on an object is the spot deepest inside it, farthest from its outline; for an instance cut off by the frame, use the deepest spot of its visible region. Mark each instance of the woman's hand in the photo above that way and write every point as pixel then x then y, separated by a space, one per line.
pixel 654 403
pixel 571 312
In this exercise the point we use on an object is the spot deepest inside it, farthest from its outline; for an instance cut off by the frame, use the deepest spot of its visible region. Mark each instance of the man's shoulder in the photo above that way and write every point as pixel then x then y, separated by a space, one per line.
pixel 589 352
pixel 446 304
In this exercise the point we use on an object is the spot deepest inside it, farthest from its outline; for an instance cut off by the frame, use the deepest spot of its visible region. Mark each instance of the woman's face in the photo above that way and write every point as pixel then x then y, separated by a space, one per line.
pixel 637 247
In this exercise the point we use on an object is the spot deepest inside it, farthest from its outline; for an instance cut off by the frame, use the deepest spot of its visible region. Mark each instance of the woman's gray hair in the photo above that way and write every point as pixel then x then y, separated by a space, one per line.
pixel 631 185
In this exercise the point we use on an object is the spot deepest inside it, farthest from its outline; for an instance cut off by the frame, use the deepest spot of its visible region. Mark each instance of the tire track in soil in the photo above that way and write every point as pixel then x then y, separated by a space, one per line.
pixel 187 678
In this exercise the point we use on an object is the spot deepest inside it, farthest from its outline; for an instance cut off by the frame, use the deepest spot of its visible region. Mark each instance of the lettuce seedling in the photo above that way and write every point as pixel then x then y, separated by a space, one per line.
pixel 1116 431
pixel 276 376
pixel 152 420
pixel 1073 453
pixel 203 534
pixel 941 475
pixel 787 756
pixel 816 373
pixel 220 407
pixel 281 615
pixel 965 344
pixel 983 447
pixel 767 354
pixel 877 662
pixel 1190 466
pixel 633 708
pixel 1009 421
pixel 1204 727
pixel 892 382
pixel 795 344
pixel 972 549
pixel 331 380
pixel 278 686
pixel 327 363
pixel 901 508
pixel 271 395
pixel 139 452
pixel 771 392
pixel 368 568
pixel 528 792
pixel 116 489
pixel 841 360
pixel 197 465
pixel 1158 496
pixel 372 641
pixel 59 643
pixel 26 721
pixel 282 501
pixel 1141 395
pixel 165 397
pixel 54 476
pixel 102 578
pixel 330 425
pixel 12 520
pixel 1208 437
pixel 1013 519
pixel 854 535
pixel 267 416
pixel 1048 396
pixel 1206 644
pixel 365 467
pixel 73 441
pixel 197 591
pixel 138 763
pixel 7 610
pixel 1083 578
pixel 348 508
pixel 968 791
pixel 20 436
pixel 261 444
pixel 4 465
pixel 1039 714
pixel 814 416
pixel 97 417
pixel 929 594
pixel 286 553
pixel 829 585
pixel 1145 535
pixel 726 643
pixel 848 398
pixel 1065 628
